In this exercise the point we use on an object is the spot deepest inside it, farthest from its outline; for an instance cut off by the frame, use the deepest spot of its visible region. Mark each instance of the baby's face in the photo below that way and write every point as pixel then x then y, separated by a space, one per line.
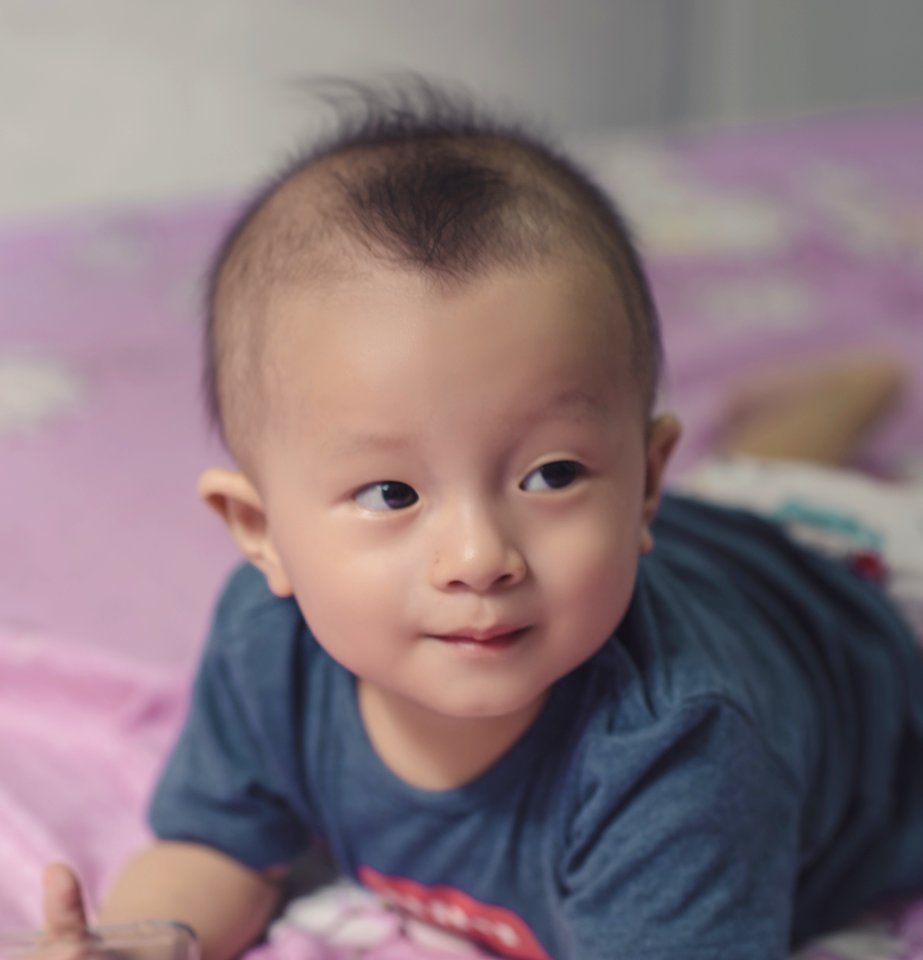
pixel 454 483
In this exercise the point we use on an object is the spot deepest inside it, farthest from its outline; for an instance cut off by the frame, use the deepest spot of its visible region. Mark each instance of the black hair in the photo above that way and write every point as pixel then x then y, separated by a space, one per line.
pixel 420 177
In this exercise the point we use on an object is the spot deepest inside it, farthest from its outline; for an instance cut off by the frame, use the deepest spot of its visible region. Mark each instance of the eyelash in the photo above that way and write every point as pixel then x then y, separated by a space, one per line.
pixel 573 472
pixel 382 487
pixel 576 470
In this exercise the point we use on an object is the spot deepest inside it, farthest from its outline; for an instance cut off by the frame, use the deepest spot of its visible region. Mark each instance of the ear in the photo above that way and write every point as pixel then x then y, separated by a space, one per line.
pixel 662 436
pixel 234 498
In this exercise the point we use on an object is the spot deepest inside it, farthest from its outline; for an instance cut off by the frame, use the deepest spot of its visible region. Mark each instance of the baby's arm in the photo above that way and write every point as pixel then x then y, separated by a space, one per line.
pixel 226 904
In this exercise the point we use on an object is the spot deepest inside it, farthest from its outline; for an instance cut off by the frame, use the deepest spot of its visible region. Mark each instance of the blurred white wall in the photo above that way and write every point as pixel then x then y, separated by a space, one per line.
pixel 758 58
pixel 113 101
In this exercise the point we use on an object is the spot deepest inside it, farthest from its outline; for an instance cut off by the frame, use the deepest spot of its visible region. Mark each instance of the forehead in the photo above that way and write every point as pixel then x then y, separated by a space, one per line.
pixel 398 340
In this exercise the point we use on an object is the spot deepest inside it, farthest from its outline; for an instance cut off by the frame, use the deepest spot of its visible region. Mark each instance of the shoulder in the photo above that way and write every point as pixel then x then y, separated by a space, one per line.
pixel 253 630
pixel 262 665
pixel 246 597
pixel 247 605
pixel 727 605
pixel 752 561
pixel 686 527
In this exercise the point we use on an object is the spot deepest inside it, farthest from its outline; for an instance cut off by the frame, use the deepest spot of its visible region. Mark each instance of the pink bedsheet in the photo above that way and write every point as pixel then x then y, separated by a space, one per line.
pixel 81 731
pixel 764 244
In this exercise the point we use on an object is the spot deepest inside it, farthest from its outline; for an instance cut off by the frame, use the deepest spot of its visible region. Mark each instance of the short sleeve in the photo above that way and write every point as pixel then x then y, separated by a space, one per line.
pixel 224 784
pixel 684 844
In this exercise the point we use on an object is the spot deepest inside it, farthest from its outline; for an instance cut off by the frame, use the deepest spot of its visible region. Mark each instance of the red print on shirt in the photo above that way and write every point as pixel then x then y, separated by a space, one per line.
pixel 496 928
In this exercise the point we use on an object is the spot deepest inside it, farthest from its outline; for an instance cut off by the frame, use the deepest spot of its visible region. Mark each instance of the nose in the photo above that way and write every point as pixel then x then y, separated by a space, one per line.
pixel 474 551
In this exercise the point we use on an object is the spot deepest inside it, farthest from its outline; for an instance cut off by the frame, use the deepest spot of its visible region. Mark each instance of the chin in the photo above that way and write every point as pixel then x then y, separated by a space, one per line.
pixel 499 709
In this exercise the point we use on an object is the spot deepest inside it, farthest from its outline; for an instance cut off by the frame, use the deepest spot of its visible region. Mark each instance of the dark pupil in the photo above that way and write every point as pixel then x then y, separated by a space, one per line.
pixel 397 495
pixel 559 474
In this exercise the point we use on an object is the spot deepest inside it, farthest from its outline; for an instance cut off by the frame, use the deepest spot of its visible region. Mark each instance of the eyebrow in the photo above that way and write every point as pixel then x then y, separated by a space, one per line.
pixel 353 443
pixel 575 404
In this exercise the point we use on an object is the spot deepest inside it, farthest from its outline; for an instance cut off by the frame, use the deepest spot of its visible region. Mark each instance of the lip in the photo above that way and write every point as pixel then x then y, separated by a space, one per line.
pixel 497 636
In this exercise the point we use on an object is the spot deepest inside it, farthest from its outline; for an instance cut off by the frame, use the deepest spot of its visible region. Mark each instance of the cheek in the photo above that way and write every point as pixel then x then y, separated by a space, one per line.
pixel 589 569
pixel 344 591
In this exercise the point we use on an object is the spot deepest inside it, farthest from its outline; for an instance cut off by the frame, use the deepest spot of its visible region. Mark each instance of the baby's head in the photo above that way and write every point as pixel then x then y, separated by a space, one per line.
pixel 416 181
pixel 433 352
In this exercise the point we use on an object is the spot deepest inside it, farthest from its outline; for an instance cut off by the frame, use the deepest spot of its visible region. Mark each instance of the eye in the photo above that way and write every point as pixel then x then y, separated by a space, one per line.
pixel 387 495
pixel 553 476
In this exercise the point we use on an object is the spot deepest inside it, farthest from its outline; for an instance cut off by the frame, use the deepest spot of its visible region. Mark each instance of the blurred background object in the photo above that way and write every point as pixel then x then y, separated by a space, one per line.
pixel 111 101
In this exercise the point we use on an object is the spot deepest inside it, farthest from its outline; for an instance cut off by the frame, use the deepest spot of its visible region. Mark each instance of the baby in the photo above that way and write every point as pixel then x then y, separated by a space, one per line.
pixel 475 651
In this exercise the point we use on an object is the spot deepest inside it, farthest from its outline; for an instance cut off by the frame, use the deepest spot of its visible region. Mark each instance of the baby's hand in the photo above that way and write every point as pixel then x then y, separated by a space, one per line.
pixel 66 934
pixel 65 916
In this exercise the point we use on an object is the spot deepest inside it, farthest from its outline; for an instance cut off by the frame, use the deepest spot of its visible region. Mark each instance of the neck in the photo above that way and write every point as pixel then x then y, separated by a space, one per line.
pixel 436 752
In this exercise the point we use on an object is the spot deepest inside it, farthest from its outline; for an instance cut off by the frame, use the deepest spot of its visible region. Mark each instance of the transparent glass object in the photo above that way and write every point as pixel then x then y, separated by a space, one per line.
pixel 150 940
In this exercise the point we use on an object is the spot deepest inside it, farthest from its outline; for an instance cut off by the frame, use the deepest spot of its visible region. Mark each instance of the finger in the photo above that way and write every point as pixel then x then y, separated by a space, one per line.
pixel 64 909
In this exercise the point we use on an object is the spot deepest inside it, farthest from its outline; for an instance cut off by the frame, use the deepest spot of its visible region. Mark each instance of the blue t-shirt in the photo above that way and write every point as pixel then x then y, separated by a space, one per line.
pixel 740 767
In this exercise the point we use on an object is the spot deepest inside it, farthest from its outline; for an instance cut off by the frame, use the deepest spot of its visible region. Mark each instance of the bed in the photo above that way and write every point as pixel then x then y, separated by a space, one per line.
pixel 765 244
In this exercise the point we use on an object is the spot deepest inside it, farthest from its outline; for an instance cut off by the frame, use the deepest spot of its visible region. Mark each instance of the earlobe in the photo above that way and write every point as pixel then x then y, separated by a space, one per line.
pixel 234 498
pixel 663 435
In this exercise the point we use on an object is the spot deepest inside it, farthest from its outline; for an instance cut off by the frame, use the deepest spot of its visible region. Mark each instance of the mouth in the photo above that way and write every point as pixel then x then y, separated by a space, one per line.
pixel 496 638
